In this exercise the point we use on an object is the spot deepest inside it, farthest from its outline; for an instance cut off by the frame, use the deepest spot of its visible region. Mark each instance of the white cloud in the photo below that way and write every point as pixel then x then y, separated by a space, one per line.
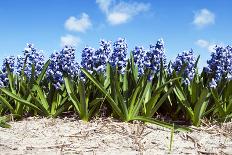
pixel 206 45
pixel 121 12
pixel 202 43
pixel 78 25
pixel 69 40
pixel 116 18
pixel 203 18
pixel 104 5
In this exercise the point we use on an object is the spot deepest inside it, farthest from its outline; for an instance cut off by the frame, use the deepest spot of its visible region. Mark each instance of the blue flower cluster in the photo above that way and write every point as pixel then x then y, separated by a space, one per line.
pixel 118 57
pixel 19 64
pixel 189 60
pixel 11 62
pixel 101 56
pixel 139 54
pixel 220 64
pixel 54 73
pixel 62 62
pixel 153 57
pixel 32 57
pixel 67 59
pixel 4 74
pixel 87 58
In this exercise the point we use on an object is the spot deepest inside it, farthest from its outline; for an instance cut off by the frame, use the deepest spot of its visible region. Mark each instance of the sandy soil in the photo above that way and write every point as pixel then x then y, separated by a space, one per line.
pixel 70 136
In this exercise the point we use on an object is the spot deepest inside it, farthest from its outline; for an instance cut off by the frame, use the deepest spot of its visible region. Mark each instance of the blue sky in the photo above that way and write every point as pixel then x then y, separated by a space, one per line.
pixel 49 24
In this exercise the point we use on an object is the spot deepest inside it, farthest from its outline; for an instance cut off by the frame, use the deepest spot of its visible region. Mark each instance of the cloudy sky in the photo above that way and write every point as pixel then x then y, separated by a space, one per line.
pixel 50 24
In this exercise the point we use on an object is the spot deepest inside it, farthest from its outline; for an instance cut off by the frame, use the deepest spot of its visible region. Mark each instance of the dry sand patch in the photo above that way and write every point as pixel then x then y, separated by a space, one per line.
pixel 108 136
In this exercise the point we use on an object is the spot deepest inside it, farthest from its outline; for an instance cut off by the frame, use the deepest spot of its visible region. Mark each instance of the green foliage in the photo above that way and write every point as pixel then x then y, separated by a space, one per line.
pixel 128 96
pixel 158 93
pixel 193 99
pixel 222 98
pixel 3 122
pixel 84 98
pixel 29 95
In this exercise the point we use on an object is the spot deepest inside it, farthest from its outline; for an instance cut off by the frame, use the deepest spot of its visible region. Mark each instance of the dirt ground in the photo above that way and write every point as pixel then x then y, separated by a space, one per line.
pixel 108 136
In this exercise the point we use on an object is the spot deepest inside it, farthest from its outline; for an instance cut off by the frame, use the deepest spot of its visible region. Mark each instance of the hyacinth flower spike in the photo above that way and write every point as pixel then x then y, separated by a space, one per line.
pixel 118 57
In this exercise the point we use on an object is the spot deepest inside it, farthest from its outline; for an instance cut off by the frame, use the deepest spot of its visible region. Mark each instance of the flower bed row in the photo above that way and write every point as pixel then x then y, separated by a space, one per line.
pixel 108 83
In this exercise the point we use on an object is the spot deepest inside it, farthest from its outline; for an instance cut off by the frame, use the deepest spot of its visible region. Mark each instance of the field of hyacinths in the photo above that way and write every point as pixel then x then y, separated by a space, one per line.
pixel 107 82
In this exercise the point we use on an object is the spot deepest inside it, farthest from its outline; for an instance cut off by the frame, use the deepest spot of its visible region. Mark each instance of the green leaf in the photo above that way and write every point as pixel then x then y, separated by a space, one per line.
pixel 20 100
pixel 134 68
pixel 229 106
pixel 32 79
pixel 133 99
pixel 194 91
pixel 160 102
pixel 121 100
pixel 107 81
pixel 102 89
pixel 59 110
pixel 161 88
pixel 7 104
pixel 72 96
pixel 161 73
pixel 94 105
pixel 200 107
pixel 3 123
pixel 183 100
pixel 148 94
pixel 53 99
pixel 172 138
pixel 125 81
pixel 39 104
pixel 23 69
pixel 7 118
pixel 43 72
pixel 195 65
pixel 218 102
pixel 161 123
pixel 113 79
pixel 10 78
pixel 180 73
pixel 150 104
pixel 141 98
pixel 42 97
pixel 95 101
pixel 83 103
